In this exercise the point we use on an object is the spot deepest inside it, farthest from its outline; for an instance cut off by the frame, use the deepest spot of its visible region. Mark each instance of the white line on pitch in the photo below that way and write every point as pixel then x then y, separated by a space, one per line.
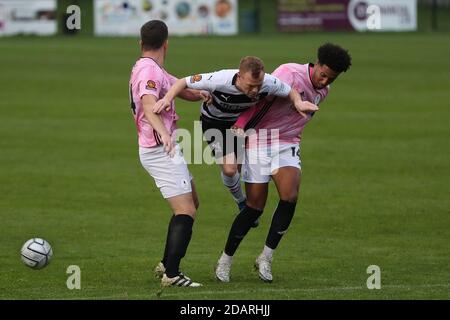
pixel 304 289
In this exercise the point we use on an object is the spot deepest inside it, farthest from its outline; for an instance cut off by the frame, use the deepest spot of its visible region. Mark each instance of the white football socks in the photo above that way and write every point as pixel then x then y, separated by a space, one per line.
pixel 234 185
pixel 268 252
pixel 225 258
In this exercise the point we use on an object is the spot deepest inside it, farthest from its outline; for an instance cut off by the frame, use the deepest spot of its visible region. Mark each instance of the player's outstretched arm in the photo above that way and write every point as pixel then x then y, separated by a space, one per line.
pixel 148 102
pixel 303 107
pixel 195 95
pixel 165 102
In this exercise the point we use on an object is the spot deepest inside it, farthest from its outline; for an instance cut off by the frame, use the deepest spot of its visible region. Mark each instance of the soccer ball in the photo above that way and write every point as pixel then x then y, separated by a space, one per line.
pixel 36 253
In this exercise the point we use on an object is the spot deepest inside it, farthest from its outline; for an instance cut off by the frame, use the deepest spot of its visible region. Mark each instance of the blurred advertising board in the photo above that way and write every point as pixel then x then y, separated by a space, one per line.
pixel 124 18
pixel 342 15
pixel 28 17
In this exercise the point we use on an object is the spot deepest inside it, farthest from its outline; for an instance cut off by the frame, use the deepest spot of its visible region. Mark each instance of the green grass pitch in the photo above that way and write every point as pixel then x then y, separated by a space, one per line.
pixel 374 188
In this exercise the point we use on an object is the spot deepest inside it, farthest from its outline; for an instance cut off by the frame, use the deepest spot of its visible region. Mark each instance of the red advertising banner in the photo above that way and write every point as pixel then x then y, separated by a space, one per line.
pixel 342 15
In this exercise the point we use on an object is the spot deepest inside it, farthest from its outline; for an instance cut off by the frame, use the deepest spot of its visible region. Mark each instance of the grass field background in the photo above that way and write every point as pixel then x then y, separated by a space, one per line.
pixel 374 188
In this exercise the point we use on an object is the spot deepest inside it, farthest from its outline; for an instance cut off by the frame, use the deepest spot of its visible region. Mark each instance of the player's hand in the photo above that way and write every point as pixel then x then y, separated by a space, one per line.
pixel 237 131
pixel 206 96
pixel 160 105
pixel 305 107
pixel 169 146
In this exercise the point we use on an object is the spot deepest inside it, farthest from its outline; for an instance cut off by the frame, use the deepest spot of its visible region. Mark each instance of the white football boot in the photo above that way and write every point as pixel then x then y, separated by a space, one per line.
pixel 223 268
pixel 264 266
pixel 159 270
pixel 178 281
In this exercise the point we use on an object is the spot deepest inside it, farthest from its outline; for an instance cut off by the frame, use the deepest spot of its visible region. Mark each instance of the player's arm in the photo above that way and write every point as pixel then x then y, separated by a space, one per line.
pixel 191 94
pixel 195 95
pixel 282 89
pixel 148 102
pixel 303 107
pixel 180 89
pixel 196 82
pixel 165 102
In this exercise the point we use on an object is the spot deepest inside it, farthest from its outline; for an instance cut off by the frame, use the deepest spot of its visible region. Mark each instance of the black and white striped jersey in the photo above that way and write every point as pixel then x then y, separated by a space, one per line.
pixel 228 102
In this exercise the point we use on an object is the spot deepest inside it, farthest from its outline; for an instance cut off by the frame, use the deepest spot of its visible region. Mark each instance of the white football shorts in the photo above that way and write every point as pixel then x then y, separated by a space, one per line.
pixel 261 163
pixel 171 174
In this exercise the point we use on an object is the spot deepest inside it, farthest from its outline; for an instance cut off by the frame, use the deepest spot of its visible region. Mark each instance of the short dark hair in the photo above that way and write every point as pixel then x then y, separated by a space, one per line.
pixel 251 64
pixel 335 57
pixel 153 34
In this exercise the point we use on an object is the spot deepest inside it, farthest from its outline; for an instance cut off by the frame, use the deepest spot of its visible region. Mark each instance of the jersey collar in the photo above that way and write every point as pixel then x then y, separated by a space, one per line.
pixel 233 81
pixel 153 61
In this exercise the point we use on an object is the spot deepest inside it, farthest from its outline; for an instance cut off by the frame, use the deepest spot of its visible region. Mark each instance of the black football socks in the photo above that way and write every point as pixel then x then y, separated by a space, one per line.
pixel 281 220
pixel 164 259
pixel 241 224
pixel 180 233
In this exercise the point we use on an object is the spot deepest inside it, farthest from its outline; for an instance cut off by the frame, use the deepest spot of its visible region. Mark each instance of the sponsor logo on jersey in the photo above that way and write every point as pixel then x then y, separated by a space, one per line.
pixel 317 100
pixel 303 95
pixel 196 78
pixel 151 85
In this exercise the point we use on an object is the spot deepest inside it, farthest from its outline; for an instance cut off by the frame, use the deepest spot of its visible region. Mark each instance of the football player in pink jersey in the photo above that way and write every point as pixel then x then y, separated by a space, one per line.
pixel 273 152
pixel 158 152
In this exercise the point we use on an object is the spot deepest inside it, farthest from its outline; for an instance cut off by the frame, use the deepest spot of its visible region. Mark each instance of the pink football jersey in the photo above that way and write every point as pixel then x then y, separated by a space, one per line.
pixel 147 77
pixel 276 113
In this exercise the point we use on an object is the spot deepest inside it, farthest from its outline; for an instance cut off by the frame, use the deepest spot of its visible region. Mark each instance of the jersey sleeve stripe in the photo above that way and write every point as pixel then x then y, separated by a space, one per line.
pixel 157 138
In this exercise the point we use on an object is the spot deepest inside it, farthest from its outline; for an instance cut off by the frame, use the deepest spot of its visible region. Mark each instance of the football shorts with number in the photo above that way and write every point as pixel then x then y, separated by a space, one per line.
pixel 261 163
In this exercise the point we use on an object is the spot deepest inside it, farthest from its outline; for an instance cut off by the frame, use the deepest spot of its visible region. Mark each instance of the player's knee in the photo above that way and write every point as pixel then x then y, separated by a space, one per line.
pixel 256 204
pixel 290 197
pixel 191 212
pixel 188 210
pixel 229 171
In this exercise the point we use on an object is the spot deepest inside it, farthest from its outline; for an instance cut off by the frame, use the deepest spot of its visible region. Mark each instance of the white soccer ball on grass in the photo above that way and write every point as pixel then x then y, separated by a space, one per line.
pixel 36 253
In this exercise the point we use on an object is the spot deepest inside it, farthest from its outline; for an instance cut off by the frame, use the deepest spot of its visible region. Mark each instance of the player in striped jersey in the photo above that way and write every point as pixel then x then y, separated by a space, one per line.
pixel 278 159
pixel 233 91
